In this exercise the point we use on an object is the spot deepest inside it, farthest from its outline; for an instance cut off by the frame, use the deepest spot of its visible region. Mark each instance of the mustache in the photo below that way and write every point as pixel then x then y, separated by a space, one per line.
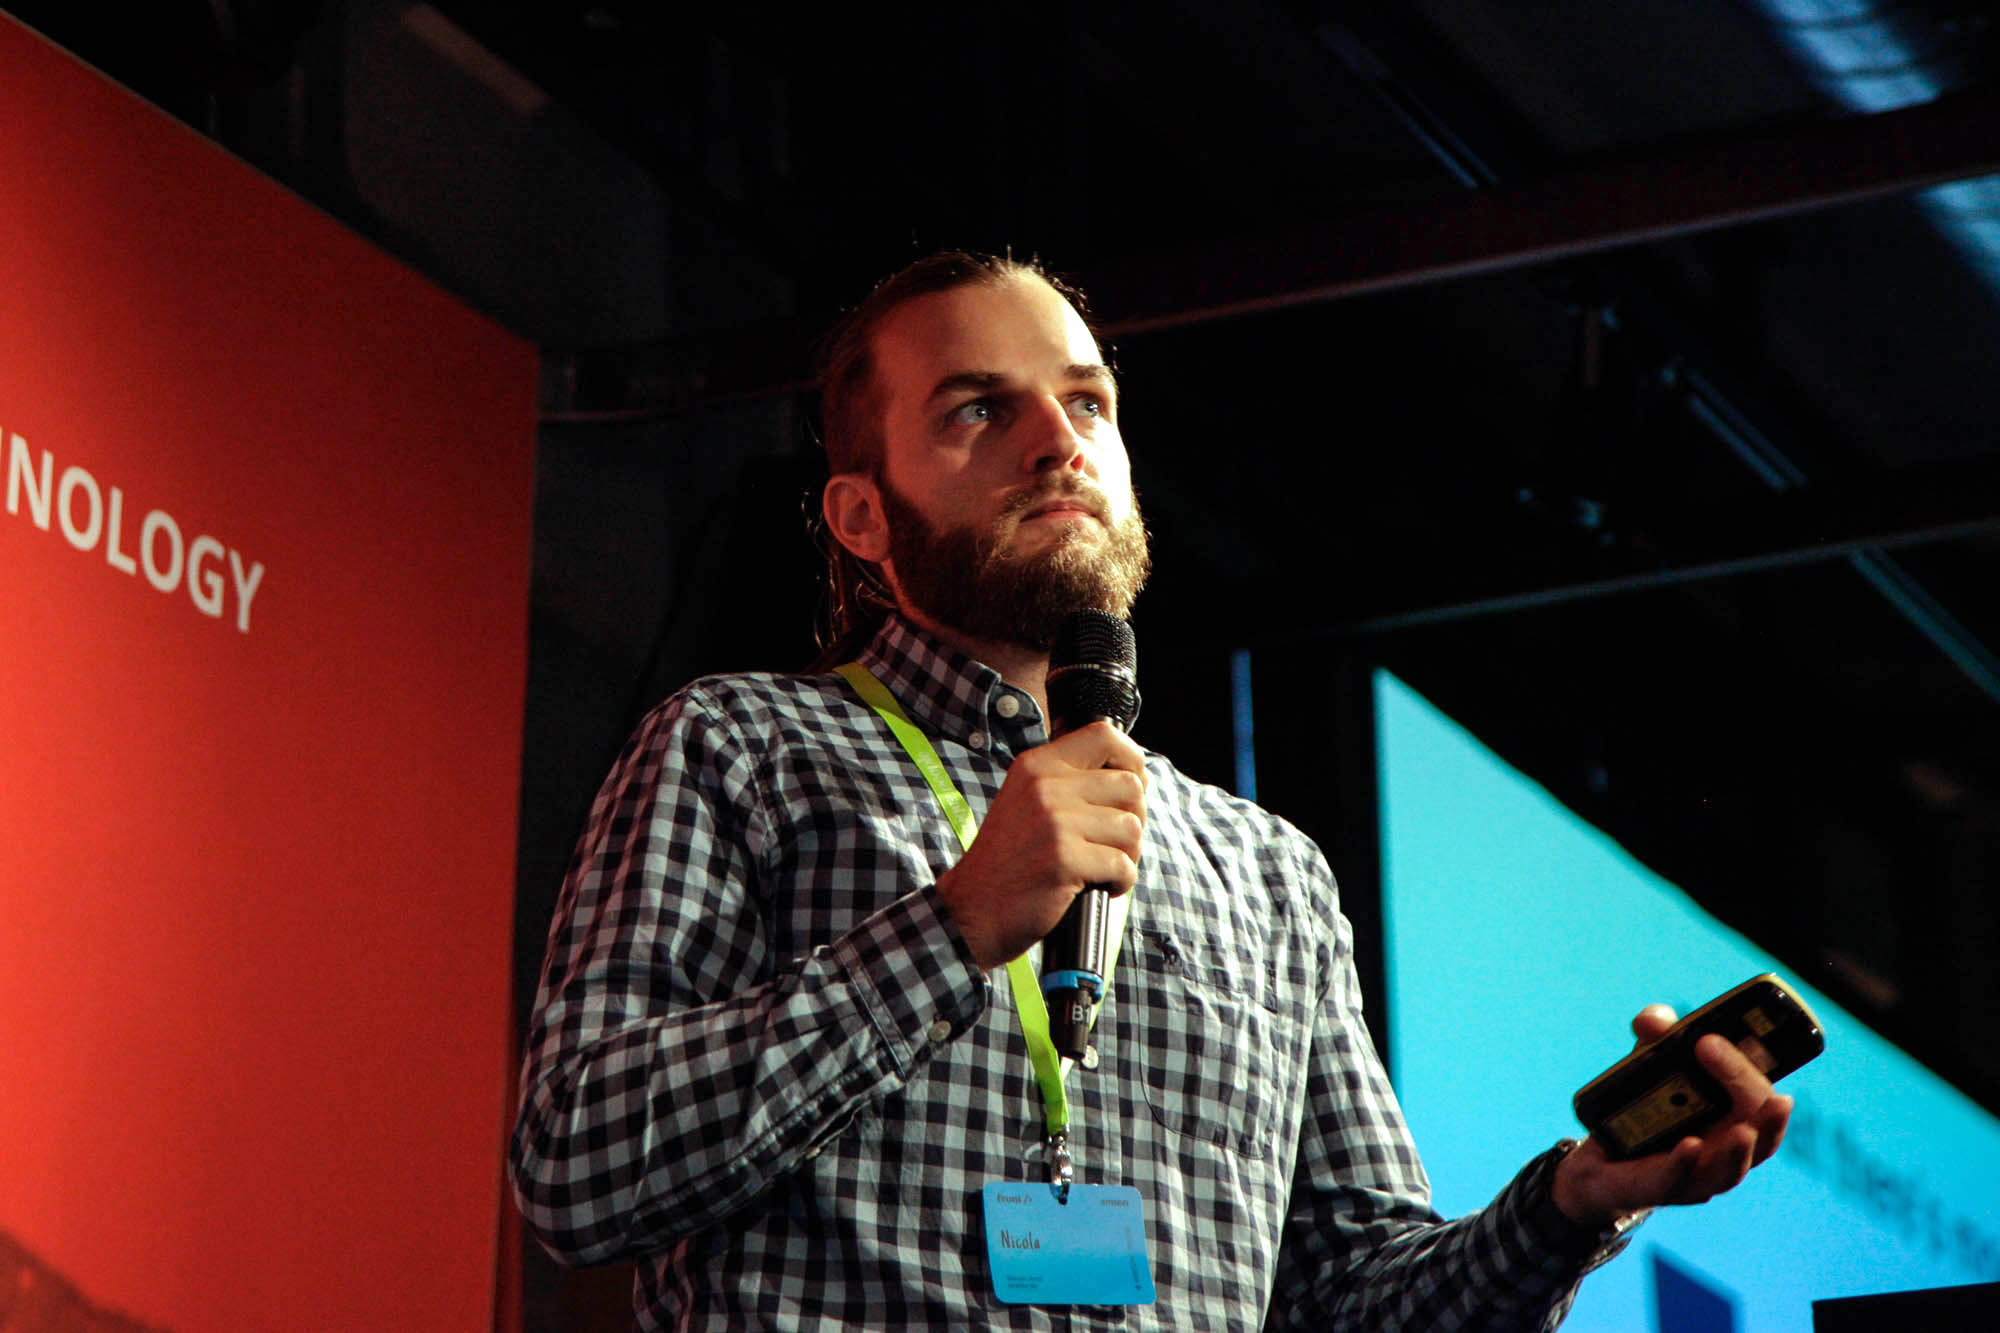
pixel 1066 487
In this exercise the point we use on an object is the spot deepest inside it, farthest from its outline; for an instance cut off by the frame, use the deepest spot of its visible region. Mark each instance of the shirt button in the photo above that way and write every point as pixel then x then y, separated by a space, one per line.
pixel 940 1030
pixel 1007 706
pixel 977 740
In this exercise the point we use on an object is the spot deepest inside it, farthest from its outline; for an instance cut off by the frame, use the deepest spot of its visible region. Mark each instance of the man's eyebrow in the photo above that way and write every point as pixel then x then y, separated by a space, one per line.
pixel 959 382
pixel 1097 371
pixel 963 380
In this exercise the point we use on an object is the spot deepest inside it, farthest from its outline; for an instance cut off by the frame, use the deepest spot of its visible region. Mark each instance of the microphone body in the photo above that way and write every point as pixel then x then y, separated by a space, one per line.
pixel 1092 678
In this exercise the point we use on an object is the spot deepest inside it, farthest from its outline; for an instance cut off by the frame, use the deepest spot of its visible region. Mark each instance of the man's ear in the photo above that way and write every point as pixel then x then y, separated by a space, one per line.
pixel 852 504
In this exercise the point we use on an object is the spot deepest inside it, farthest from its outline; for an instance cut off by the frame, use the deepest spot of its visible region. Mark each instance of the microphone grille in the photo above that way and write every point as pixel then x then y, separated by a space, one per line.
pixel 1093 672
pixel 1094 636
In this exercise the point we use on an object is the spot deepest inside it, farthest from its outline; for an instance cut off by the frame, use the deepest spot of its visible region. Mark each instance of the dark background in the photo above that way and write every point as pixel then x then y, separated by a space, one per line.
pixel 1604 369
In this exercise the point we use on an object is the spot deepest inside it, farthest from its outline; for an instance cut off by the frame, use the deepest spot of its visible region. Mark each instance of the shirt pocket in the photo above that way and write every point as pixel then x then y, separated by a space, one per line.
pixel 1215 1057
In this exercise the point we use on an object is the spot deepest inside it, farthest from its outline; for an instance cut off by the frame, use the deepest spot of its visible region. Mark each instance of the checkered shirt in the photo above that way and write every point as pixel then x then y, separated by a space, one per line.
pixel 764 1063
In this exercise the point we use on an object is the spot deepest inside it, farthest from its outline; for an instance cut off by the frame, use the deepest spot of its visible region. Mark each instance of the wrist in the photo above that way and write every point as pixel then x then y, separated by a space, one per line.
pixel 1559 1218
pixel 966 926
pixel 1567 1195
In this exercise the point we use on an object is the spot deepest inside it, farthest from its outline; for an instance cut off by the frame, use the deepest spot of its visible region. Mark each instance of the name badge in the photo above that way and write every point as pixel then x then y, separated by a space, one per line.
pixel 1088 1251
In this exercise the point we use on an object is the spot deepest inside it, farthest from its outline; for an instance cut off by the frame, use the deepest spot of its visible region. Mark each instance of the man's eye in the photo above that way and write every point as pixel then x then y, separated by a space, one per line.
pixel 1087 406
pixel 973 413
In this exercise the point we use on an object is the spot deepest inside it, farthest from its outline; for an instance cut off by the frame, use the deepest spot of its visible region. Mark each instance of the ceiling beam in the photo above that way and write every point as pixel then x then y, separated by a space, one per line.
pixel 1808 525
pixel 1676 190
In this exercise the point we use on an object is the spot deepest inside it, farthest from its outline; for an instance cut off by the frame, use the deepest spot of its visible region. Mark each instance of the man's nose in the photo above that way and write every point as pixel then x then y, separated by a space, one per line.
pixel 1053 442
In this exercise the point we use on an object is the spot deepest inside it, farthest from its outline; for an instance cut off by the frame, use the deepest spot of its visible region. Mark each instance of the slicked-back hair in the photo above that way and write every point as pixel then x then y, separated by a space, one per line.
pixel 851 420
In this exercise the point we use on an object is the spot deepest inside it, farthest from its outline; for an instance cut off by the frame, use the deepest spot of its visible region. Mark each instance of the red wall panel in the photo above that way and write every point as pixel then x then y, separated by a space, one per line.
pixel 256 819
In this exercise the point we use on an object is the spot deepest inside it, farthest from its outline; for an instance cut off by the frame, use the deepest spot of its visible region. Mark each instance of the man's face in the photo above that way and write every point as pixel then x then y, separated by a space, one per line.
pixel 1004 482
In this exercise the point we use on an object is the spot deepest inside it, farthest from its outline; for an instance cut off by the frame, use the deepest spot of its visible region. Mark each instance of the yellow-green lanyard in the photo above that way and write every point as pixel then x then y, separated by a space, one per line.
pixel 1029 1006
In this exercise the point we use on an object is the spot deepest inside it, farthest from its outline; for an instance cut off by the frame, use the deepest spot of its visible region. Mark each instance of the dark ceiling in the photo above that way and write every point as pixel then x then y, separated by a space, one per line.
pixel 1600 367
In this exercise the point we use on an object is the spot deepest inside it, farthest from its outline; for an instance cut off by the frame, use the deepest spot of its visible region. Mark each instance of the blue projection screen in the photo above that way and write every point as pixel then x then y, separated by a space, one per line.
pixel 1521 941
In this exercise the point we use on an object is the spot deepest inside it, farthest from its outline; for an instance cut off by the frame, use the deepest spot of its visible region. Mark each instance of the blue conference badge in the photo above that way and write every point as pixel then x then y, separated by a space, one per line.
pixel 1088 1251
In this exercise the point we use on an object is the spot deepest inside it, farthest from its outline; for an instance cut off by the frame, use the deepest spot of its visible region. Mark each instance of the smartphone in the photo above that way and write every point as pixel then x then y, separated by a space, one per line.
pixel 1659 1093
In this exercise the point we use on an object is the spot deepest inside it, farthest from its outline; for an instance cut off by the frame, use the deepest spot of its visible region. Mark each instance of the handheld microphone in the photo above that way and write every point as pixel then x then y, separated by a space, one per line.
pixel 1092 678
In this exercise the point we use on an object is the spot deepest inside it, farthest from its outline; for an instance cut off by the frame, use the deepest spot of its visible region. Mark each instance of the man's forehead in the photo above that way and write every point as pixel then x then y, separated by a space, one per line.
pixel 1021 325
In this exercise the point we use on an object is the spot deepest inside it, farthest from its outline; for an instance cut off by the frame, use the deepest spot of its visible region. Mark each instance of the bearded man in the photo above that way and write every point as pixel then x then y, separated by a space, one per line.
pixel 775 1055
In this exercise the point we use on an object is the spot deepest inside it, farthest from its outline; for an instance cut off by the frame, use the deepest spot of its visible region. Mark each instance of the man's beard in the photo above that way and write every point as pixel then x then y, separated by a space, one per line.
pixel 963 578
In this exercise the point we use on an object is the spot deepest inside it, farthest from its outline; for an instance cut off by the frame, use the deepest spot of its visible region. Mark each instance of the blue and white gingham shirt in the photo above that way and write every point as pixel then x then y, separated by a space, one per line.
pixel 763 1062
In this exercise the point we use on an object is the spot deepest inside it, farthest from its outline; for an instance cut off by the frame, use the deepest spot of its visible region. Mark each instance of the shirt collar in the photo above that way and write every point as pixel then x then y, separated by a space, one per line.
pixel 949 694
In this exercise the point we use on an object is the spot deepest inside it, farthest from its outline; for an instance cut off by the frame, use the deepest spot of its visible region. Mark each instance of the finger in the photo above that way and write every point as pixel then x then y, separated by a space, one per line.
pixel 1746 1085
pixel 1696 1170
pixel 1047 782
pixel 1651 1023
pixel 1120 830
pixel 1729 1158
pixel 1668 1177
pixel 1101 865
pixel 1682 1167
pixel 1725 1159
pixel 1100 745
pixel 1112 788
pixel 1775 1116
